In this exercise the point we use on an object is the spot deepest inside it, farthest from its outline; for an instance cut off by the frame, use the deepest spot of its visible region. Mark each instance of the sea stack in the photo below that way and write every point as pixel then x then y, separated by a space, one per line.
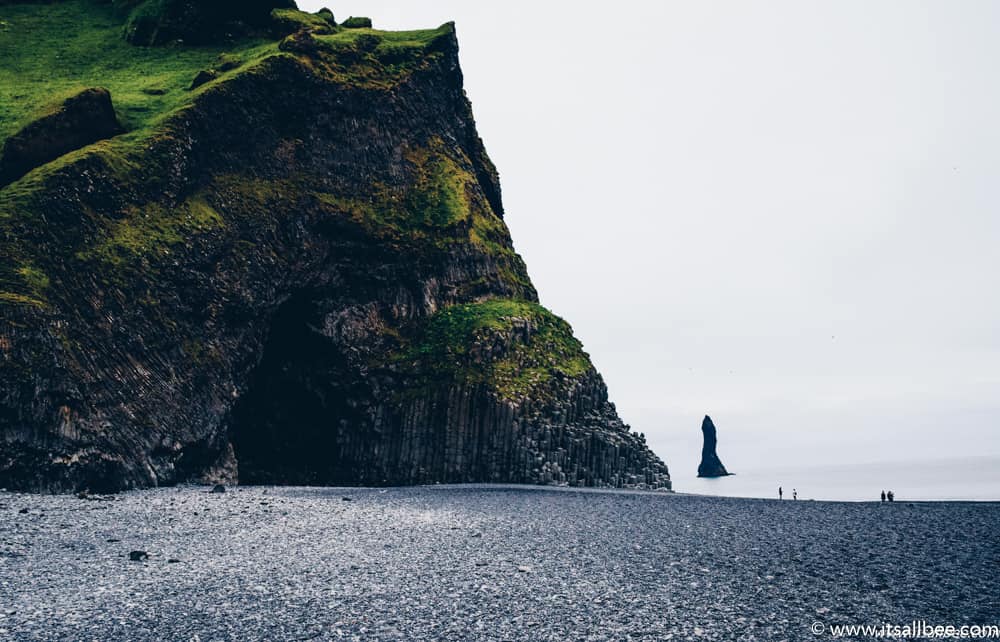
pixel 710 465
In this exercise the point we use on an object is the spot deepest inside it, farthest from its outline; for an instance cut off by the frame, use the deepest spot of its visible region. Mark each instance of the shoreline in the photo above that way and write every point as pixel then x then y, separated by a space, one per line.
pixel 498 486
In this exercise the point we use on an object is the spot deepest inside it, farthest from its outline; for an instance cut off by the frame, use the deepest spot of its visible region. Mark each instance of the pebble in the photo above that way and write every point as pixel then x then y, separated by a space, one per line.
pixel 601 565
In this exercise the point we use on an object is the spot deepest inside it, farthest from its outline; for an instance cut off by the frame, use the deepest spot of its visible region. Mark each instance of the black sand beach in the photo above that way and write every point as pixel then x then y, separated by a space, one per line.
pixel 482 562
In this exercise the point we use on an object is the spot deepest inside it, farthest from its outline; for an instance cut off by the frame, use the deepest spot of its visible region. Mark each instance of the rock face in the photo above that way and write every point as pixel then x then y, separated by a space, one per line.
pixel 302 276
pixel 84 118
pixel 710 465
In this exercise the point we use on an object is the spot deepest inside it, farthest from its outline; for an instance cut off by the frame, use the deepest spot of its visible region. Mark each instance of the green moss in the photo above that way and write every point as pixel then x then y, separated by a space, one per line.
pixel 256 197
pixel 436 199
pixel 291 20
pixel 194 350
pixel 153 229
pixel 376 59
pixel 327 15
pixel 13 298
pixel 227 61
pixel 439 204
pixel 446 346
pixel 36 280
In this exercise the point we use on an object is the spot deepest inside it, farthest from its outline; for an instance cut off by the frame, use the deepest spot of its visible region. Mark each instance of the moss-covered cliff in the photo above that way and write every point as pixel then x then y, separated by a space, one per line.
pixel 291 267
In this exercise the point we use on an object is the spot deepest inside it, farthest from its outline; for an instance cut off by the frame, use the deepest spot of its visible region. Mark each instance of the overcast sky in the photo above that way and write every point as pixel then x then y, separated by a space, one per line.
pixel 782 214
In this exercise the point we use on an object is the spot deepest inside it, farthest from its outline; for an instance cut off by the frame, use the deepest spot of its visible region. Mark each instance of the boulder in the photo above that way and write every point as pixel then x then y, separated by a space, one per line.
pixel 288 21
pixel 82 119
pixel 327 15
pixel 202 77
pixel 357 23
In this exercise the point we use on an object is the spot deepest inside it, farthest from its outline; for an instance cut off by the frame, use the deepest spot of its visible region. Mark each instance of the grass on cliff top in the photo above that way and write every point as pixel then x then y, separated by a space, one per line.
pixel 49 50
pixel 447 346
pixel 389 42
pixel 377 59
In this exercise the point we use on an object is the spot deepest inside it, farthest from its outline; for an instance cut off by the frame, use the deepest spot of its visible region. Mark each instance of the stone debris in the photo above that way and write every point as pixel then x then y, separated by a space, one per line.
pixel 393 567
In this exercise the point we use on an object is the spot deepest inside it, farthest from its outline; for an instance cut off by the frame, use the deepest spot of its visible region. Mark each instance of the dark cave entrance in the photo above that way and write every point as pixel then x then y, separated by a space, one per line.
pixel 297 421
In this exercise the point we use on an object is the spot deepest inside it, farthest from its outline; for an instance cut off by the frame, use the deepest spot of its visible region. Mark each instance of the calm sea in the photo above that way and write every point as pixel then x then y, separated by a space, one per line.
pixel 970 479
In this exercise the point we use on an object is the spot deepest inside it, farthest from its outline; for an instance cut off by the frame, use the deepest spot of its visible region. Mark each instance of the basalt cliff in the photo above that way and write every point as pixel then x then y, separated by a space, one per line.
pixel 251 244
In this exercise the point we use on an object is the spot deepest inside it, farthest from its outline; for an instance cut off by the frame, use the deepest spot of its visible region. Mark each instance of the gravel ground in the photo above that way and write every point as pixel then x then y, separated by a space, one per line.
pixel 483 562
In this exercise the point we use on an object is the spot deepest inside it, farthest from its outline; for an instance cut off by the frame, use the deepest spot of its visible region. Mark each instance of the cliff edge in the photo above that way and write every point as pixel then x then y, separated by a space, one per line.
pixel 293 269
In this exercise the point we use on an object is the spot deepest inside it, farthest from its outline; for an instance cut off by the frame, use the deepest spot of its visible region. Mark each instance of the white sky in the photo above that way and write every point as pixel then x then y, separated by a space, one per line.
pixel 780 213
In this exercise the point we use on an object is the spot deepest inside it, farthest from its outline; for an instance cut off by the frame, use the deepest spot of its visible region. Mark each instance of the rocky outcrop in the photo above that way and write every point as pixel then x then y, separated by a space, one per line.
pixel 710 465
pixel 303 276
pixel 83 118
pixel 157 22
pixel 355 22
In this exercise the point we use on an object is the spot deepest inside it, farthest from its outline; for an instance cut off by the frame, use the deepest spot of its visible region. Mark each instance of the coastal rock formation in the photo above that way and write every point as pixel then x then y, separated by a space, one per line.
pixel 297 272
pixel 710 465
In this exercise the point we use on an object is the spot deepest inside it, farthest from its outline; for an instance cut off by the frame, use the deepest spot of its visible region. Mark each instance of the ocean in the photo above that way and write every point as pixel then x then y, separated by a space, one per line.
pixel 964 479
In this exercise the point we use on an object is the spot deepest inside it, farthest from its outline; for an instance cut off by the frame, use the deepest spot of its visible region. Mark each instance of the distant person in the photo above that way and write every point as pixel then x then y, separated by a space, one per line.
pixel 883 496
pixel 780 492
pixel 795 494
pixel 891 495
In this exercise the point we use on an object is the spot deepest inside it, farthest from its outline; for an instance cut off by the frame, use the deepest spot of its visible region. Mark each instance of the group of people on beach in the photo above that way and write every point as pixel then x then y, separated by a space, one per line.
pixel 887 495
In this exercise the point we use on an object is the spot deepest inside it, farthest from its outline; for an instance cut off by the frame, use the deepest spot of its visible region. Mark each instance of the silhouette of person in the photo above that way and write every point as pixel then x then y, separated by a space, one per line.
pixel 883 496
pixel 780 492
pixel 795 494
pixel 891 495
